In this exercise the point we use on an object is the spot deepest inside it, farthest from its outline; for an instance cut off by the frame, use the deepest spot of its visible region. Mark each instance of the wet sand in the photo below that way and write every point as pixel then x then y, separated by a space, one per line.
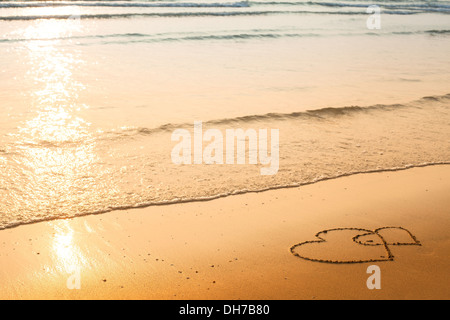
pixel 252 246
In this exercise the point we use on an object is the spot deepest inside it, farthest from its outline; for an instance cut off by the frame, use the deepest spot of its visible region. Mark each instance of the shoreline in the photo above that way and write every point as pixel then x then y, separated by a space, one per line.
pixel 239 247
pixel 235 193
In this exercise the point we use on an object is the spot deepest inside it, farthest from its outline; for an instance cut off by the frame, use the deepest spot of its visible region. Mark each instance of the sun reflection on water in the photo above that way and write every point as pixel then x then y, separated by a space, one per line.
pixel 56 142
pixel 55 99
pixel 55 149
pixel 53 28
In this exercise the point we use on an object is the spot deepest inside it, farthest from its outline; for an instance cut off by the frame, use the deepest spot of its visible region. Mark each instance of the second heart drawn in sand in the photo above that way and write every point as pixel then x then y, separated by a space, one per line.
pixel 354 245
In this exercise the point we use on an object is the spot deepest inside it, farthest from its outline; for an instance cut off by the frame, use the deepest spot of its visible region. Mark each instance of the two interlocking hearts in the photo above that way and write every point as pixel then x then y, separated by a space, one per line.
pixel 354 245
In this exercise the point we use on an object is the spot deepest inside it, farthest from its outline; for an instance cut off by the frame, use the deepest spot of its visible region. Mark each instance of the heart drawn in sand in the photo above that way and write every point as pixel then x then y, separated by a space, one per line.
pixel 354 245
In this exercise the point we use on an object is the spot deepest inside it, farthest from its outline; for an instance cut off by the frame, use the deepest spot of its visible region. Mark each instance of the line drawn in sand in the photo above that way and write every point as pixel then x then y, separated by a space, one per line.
pixel 354 245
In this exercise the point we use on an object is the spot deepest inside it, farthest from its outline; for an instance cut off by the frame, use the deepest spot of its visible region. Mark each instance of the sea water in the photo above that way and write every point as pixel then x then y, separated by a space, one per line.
pixel 92 91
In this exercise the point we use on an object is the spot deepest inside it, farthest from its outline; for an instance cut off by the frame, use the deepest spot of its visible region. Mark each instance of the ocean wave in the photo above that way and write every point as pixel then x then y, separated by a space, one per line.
pixel 401 4
pixel 117 174
pixel 434 32
pixel 240 4
pixel 384 5
pixel 192 36
pixel 137 15
pixel 321 113
pixel 314 115
pixel 254 8
pixel 193 14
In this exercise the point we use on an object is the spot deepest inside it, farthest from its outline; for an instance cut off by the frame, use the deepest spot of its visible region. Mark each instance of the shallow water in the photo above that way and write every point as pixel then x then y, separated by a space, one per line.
pixel 91 92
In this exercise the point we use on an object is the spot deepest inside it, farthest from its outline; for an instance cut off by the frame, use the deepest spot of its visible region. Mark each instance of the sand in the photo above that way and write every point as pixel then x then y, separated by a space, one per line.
pixel 252 246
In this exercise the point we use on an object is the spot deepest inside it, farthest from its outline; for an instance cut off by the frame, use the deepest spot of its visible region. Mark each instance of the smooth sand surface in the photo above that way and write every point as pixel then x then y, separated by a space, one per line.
pixel 239 247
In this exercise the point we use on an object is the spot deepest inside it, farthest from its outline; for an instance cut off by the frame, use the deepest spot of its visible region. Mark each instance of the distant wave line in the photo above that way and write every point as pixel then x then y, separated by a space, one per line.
pixel 187 36
pixel 196 14
pixel 240 4
pixel 404 5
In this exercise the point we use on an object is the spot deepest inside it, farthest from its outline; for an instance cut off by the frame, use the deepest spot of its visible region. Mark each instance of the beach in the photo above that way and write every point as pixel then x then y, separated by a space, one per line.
pixel 204 149
pixel 238 247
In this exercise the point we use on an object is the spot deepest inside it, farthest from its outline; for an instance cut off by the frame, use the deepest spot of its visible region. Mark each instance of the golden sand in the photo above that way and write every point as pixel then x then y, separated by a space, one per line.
pixel 247 246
